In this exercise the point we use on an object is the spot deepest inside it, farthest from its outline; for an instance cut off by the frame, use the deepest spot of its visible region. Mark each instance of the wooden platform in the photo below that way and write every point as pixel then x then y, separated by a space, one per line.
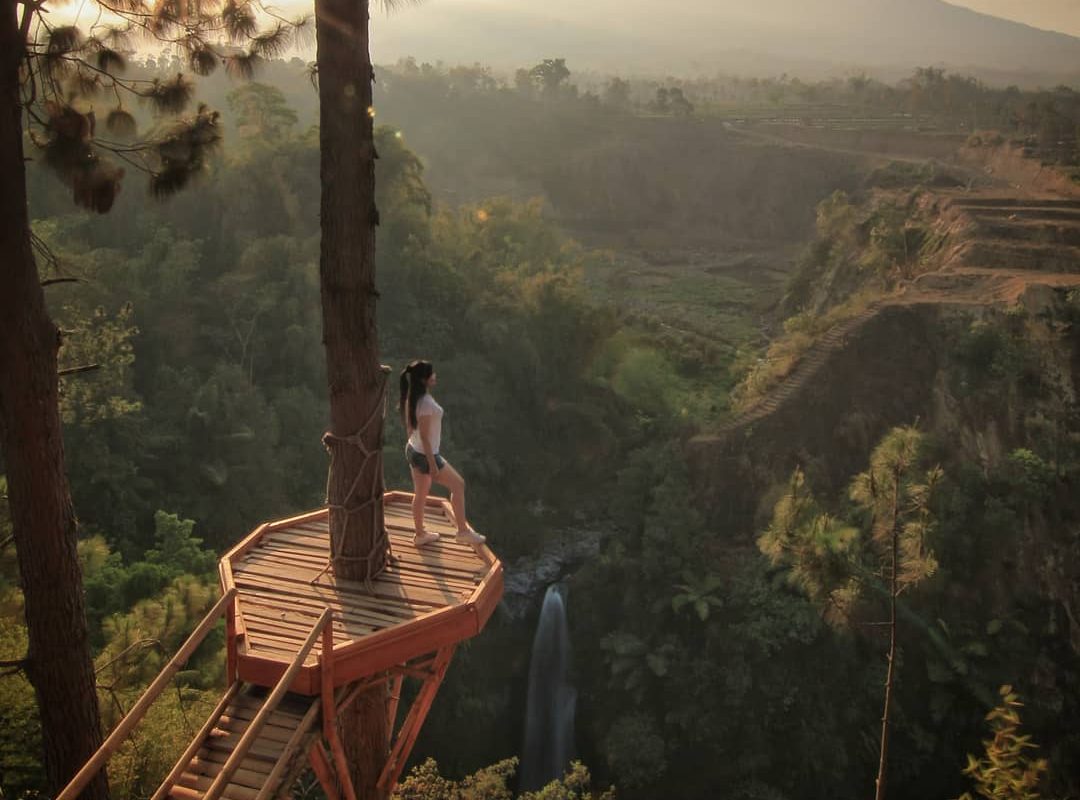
pixel 426 599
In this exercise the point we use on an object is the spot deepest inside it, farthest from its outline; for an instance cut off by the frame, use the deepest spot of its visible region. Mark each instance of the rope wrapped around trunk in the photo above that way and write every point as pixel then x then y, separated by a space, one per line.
pixel 381 545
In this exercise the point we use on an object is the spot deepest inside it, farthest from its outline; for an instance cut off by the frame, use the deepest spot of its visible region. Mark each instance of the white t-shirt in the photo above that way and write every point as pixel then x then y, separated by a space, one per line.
pixel 426 406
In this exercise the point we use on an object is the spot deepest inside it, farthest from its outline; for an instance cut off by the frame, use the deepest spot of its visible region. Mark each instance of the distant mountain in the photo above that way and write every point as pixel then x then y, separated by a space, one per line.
pixel 806 37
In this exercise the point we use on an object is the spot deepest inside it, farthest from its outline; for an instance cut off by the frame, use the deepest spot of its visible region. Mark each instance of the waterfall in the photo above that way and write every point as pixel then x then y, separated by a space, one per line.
pixel 549 712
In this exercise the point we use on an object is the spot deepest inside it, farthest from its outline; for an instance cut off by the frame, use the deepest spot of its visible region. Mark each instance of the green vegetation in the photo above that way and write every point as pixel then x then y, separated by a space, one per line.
pixel 492 783
pixel 1007 771
pixel 202 416
pixel 138 613
pixel 572 379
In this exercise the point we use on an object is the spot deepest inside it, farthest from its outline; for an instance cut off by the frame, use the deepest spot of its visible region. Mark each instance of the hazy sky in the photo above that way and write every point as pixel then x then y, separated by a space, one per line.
pixel 813 38
pixel 1055 15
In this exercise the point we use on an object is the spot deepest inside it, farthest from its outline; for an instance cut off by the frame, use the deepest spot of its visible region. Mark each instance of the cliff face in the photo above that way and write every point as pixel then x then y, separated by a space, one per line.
pixel 984 358
pixel 879 375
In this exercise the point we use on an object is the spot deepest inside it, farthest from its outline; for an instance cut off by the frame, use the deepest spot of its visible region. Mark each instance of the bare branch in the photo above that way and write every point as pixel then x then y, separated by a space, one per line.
pixel 30 8
pixel 46 254
pixel 53 281
pixel 77 370
pixel 141 644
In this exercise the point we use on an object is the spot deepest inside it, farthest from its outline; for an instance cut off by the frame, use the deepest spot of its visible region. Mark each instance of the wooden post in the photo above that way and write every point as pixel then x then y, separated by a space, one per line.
pixel 138 711
pixel 411 727
pixel 326 674
pixel 253 730
pixel 231 656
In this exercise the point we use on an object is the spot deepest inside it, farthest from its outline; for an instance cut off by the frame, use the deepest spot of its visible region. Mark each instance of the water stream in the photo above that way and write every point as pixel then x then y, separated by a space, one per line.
pixel 549 712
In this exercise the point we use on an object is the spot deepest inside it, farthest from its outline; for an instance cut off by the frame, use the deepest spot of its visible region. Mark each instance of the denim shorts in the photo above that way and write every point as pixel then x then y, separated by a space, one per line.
pixel 418 460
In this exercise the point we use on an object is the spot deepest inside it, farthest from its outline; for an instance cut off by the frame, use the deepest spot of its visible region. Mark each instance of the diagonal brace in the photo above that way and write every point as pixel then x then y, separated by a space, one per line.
pixel 410 729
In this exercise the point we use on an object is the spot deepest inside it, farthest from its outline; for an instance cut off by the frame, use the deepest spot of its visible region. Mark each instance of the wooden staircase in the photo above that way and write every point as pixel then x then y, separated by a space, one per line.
pixel 272 758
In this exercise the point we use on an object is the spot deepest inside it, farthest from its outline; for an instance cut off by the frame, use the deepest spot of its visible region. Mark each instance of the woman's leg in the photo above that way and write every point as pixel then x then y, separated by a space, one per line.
pixel 421 488
pixel 452 480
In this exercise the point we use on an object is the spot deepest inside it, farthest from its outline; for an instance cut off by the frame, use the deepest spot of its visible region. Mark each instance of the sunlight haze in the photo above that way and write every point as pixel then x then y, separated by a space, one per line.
pixel 1052 15
pixel 810 37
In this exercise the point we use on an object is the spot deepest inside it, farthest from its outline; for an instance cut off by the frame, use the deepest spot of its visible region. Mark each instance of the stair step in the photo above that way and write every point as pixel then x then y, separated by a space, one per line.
pixel 1022 213
pixel 1013 202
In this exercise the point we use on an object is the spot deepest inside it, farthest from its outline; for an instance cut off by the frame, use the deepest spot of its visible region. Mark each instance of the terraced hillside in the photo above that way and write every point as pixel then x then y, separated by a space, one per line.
pixel 879 368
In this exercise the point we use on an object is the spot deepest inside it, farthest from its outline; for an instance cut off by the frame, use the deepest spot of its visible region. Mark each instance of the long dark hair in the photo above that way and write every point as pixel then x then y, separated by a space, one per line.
pixel 413 387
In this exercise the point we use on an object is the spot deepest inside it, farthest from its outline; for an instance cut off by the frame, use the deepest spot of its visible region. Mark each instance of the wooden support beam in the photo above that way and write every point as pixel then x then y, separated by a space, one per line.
pixel 231 656
pixel 321 765
pixel 228 583
pixel 299 765
pixel 395 700
pixel 326 681
pixel 329 722
pixel 342 765
pixel 196 743
pixel 410 729
pixel 352 690
pixel 251 734
pixel 142 705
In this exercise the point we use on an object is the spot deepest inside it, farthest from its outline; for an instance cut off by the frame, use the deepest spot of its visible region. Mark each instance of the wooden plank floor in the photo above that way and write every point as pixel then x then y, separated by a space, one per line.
pixel 219 743
pixel 280 603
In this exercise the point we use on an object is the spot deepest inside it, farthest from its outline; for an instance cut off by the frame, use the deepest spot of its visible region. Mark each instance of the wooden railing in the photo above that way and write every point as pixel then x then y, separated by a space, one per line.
pixel 253 730
pixel 138 711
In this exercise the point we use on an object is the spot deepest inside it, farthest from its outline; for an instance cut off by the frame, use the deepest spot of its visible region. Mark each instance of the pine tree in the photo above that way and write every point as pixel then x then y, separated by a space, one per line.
pixel 49 75
pixel 836 563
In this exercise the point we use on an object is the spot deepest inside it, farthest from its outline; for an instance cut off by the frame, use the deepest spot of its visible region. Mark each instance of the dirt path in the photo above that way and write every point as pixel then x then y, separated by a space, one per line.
pixel 976 176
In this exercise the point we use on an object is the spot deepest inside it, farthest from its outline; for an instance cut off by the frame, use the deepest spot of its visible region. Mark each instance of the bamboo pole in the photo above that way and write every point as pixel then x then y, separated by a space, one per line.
pixel 269 786
pixel 253 730
pixel 138 711
pixel 196 743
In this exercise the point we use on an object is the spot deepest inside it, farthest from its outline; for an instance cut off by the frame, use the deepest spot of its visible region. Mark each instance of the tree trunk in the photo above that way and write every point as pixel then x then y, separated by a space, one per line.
pixel 59 665
pixel 356 381
pixel 894 543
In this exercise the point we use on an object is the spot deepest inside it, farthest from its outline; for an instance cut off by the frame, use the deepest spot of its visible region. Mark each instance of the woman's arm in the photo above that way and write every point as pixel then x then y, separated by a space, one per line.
pixel 425 423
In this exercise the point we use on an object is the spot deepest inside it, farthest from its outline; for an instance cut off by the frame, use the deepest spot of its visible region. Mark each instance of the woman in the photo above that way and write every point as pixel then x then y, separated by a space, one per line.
pixel 423 421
